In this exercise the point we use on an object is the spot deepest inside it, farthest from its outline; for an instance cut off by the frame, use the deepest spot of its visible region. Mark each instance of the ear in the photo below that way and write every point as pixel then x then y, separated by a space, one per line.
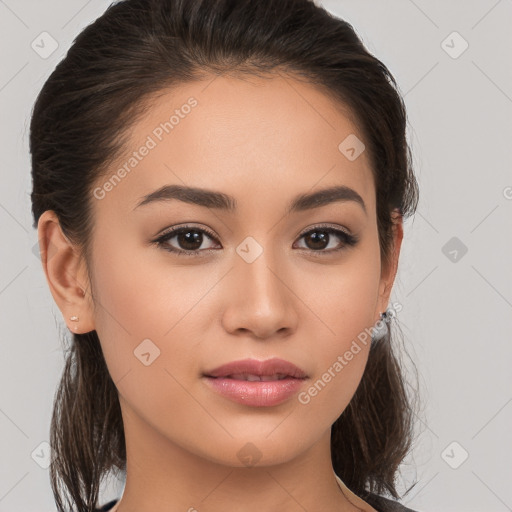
pixel 66 274
pixel 388 272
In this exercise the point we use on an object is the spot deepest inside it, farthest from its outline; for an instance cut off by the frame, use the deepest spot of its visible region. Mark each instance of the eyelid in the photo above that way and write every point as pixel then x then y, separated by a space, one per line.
pixel 336 227
pixel 348 239
pixel 179 227
pixel 175 230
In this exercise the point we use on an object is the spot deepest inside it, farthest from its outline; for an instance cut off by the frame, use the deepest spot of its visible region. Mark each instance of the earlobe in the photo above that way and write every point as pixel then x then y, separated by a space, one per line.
pixel 65 273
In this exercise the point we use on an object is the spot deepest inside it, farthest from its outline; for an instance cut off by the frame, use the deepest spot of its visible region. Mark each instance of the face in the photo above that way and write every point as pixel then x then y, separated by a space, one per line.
pixel 256 281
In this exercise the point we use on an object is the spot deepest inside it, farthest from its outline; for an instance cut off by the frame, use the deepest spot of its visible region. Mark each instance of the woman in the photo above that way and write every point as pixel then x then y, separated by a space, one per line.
pixel 219 190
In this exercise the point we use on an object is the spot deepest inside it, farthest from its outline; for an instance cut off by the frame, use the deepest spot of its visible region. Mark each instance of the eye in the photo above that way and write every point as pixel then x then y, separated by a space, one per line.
pixel 318 239
pixel 189 240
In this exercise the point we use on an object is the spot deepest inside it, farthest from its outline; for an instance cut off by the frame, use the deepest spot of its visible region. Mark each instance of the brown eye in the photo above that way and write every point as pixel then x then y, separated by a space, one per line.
pixel 319 238
pixel 188 240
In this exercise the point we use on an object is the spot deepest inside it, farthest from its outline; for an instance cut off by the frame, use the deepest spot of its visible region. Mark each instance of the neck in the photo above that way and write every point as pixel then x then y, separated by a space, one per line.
pixel 162 476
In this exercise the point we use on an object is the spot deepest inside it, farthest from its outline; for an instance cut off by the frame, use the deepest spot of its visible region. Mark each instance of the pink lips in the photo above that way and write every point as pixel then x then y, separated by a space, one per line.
pixel 282 379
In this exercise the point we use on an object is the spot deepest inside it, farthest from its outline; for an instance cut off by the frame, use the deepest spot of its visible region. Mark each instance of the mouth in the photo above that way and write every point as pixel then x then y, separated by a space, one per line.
pixel 254 378
pixel 256 383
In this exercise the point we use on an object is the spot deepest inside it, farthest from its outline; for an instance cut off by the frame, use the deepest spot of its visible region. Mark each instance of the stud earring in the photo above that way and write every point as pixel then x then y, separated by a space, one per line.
pixel 380 329
pixel 74 319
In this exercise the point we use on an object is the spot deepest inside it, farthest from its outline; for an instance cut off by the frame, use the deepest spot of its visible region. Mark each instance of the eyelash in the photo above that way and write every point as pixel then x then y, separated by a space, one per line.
pixel 348 240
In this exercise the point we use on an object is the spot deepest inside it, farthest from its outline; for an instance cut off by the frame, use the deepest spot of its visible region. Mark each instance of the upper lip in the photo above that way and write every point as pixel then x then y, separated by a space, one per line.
pixel 254 367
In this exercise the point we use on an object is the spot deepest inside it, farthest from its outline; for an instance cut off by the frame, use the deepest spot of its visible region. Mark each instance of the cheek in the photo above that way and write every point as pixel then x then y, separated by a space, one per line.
pixel 144 321
pixel 148 311
pixel 344 301
pixel 344 296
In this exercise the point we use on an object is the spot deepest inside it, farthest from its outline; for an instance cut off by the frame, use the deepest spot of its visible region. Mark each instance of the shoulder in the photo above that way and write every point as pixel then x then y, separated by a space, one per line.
pixel 107 506
pixel 382 504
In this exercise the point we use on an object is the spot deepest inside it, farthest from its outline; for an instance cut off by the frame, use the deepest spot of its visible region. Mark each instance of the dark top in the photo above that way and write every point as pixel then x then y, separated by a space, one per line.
pixel 107 506
pixel 379 503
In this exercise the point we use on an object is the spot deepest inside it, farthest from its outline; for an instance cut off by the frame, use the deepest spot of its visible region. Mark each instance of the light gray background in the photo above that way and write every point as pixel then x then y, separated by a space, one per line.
pixel 457 314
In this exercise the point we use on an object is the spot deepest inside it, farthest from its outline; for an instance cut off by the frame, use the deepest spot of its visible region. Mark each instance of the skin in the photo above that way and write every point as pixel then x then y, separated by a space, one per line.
pixel 263 141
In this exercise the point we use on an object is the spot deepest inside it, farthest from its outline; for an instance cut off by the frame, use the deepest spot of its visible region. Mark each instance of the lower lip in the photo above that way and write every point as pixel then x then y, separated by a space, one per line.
pixel 256 393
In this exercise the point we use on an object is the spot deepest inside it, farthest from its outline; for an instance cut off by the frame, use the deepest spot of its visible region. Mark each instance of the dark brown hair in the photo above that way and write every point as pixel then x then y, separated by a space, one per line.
pixel 80 122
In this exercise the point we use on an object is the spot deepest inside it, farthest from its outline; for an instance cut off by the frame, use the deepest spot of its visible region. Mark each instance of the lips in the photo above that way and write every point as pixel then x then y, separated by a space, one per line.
pixel 256 383
pixel 253 370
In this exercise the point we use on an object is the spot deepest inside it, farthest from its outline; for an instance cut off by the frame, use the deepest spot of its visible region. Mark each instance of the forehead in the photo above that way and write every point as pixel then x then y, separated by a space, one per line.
pixel 247 136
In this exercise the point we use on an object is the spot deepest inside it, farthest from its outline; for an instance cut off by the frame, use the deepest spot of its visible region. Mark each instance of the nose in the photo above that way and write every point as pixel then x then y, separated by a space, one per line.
pixel 260 300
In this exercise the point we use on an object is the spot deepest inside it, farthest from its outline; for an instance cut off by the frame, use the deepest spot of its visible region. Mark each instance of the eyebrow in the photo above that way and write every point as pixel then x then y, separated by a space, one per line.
pixel 221 201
